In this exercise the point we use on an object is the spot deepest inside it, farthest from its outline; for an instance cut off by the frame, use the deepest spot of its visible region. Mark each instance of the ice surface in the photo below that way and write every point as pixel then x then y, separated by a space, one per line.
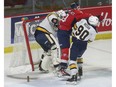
pixel 97 70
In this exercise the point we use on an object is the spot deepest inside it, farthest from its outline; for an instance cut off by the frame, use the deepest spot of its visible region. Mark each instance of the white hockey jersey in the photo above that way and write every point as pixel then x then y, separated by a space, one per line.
pixel 83 31
pixel 47 23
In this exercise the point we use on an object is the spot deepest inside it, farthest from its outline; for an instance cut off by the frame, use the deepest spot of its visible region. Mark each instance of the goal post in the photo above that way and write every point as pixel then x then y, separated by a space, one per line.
pixel 26 51
pixel 27 44
pixel 27 39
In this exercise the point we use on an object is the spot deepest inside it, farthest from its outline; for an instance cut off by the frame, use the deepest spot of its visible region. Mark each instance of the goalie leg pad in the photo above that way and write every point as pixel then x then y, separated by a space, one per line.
pixel 55 52
pixel 45 63
pixel 55 55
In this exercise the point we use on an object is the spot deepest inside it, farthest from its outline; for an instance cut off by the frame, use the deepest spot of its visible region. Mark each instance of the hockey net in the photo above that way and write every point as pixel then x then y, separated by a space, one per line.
pixel 26 52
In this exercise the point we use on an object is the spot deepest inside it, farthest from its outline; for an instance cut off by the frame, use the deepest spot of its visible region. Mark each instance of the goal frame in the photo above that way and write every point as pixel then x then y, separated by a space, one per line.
pixel 27 39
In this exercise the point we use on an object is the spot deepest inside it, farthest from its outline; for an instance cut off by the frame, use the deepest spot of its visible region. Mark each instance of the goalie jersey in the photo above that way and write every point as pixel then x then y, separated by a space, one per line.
pixel 82 30
pixel 47 25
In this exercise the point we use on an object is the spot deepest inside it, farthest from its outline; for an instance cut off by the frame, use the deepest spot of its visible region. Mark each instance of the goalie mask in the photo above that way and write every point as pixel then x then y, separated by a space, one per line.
pixel 55 22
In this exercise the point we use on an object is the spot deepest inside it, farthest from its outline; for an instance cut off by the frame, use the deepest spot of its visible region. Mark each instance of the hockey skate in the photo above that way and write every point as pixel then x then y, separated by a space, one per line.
pixel 41 69
pixel 80 68
pixel 62 72
pixel 41 61
pixel 75 78
pixel 80 73
pixel 72 80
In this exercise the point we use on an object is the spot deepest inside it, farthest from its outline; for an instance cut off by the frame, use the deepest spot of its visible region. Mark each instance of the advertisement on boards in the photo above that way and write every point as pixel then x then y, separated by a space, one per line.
pixel 106 13
pixel 31 26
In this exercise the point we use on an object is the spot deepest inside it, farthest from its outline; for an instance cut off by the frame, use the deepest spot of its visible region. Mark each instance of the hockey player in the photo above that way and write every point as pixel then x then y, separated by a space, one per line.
pixel 64 32
pixel 83 32
pixel 45 35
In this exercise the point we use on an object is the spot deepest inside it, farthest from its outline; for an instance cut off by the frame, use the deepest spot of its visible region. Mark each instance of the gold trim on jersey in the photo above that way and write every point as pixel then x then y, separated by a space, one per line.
pixel 75 27
pixel 42 29
pixel 73 34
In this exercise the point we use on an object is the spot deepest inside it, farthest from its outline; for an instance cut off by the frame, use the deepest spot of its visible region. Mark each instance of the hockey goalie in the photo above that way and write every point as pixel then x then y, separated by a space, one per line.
pixel 46 37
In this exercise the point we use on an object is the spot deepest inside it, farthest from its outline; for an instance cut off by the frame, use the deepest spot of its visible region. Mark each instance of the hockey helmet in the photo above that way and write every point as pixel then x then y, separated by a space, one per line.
pixel 93 20
pixel 61 13
pixel 74 5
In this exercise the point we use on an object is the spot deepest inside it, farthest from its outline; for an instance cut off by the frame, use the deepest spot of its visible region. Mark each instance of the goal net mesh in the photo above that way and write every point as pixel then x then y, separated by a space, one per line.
pixel 26 52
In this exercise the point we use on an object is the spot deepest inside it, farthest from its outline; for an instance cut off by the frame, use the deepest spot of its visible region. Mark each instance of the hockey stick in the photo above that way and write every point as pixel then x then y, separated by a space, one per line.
pixel 65 5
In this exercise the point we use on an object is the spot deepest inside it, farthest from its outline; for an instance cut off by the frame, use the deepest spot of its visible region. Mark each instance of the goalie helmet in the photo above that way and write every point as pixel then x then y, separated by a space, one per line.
pixel 93 20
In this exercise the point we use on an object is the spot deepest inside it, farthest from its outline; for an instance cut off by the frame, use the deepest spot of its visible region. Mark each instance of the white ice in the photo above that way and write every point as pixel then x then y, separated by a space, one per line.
pixel 97 70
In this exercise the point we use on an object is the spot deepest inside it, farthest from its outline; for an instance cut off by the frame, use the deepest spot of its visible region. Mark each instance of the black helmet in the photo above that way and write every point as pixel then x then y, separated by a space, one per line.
pixel 74 5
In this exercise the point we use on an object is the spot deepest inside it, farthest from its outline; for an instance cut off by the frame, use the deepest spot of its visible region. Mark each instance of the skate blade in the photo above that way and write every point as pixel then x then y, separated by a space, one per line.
pixel 58 74
pixel 61 75
pixel 72 83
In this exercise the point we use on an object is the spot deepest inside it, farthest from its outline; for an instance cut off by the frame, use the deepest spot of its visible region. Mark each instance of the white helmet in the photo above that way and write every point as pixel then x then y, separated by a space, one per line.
pixel 93 20
pixel 61 13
